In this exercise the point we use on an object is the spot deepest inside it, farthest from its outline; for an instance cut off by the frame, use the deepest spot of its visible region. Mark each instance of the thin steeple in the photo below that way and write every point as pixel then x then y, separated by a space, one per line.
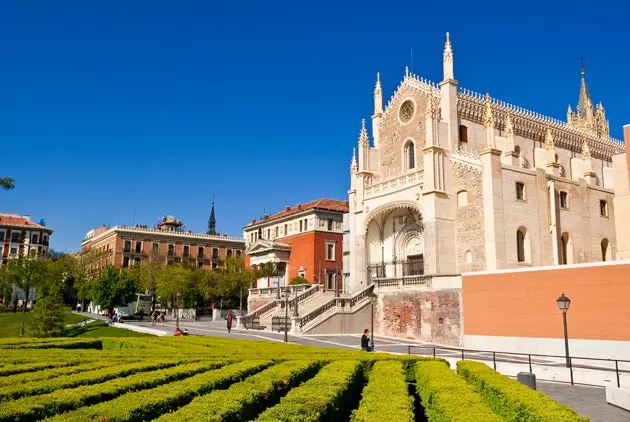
pixel 212 221
pixel 584 103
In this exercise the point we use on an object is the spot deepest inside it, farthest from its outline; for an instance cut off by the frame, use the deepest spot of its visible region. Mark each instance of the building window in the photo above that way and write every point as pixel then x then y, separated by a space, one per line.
pixel 238 253
pixel 603 208
pixel 563 200
pixel 286 229
pixel 45 240
pixel 229 253
pixel 277 229
pixel 301 229
pixel 125 262
pixel 1 236
pixel 35 239
pixel 127 246
pixel 200 252
pixel 330 224
pixel 137 261
pixel 331 279
pixel 462 198
pixel 463 134
pixel 520 191
pixel 523 248
pixel 15 237
pixel 186 250
pixel 330 251
pixel 215 253
pixel 605 250
pixel 268 233
pixel 138 247
pixel 305 224
pixel 171 250
pixel 156 247
pixel 410 155
pixel 200 264
pixel 13 251
pixel 517 150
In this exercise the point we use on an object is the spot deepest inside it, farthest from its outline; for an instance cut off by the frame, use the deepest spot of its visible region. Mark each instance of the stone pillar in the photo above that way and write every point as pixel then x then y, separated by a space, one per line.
pixel 494 224
pixel 553 208
pixel 621 166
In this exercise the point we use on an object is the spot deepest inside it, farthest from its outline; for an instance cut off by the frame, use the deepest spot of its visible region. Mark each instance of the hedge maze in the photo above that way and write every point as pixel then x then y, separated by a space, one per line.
pixel 175 379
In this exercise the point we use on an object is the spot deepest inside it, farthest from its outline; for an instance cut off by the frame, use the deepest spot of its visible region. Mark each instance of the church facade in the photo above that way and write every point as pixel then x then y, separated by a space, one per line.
pixel 454 181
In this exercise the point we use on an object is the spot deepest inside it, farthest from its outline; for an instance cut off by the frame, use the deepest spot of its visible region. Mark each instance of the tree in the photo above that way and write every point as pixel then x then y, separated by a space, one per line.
pixel 298 279
pixel 47 318
pixel 7 183
pixel 114 288
pixel 24 273
pixel 171 280
pixel 83 270
pixel 236 278
pixel 147 274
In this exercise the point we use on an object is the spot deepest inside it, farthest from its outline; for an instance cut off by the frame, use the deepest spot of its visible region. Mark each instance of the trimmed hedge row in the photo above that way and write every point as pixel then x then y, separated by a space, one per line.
pixel 512 400
pixel 386 396
pixel 320 398
pixel 61 344
pixel 82 378
pixel 148 404
pixel 51 373
pixel 37 407
pixel 244 400
pixel 32 367
pixel 447 397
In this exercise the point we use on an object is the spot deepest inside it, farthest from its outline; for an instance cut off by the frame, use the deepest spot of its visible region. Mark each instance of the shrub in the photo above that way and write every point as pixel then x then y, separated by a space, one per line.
pixel 51 373
pixel 320 398
pixel 386 396
pixel 298 279
pixel 512 400
pixel 447 397
pixel 148 404
pixel 243 401
pixel 31 367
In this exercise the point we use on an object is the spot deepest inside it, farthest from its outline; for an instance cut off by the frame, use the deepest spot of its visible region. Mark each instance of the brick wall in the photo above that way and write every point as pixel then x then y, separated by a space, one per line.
pixel 431 316
pixel 523 303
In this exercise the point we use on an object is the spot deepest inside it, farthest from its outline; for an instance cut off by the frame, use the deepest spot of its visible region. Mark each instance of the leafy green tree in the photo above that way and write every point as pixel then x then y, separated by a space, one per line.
pixel 114 288
pixel 171 280
pixel 268 269
pixel 7 183
pixel 147 274
pixel 83 271
pixel 47 318
pixel 298 279
pixel 24 273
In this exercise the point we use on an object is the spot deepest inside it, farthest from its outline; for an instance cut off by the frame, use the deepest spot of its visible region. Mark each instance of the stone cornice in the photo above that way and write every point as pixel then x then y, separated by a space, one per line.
pixel 153 234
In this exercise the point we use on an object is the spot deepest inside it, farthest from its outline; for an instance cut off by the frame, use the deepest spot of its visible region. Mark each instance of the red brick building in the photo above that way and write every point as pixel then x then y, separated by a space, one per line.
pixel 302 240
pixel 19 236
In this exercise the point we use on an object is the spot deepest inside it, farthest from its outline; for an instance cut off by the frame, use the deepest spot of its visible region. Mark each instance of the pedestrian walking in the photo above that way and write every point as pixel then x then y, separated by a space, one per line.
pixel 365 341
pixel 229 322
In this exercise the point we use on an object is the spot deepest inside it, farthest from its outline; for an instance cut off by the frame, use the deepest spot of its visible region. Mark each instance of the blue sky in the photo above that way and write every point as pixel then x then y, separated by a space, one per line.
pixel 110 110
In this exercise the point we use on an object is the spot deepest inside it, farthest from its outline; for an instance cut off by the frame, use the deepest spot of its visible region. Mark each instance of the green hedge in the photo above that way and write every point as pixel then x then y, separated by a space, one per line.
pixel 37 407
pixel 243 401
pixel 385 398
pixel 31 367
pixel 447 397
pixel 148 404
pixel 83 378
pixel 512 400
pixel 320 398
pixel 44 374
pixel 59 344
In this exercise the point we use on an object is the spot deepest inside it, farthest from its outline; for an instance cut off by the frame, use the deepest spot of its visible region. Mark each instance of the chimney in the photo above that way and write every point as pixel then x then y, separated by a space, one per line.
pixel 299 207
pixel 27 217
pixel 288 208
pixel 253 221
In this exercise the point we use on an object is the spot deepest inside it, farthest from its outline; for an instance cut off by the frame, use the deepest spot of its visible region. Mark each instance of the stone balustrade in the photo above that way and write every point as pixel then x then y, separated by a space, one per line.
pixel 417 282
pixel 394 184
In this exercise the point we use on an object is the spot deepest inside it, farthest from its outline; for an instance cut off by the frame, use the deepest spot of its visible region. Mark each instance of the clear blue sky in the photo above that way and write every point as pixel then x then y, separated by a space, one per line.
pixel 120 108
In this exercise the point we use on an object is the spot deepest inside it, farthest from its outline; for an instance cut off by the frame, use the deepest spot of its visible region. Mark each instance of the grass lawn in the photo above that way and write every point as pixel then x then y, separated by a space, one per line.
pixel 101 329
pixel 10 322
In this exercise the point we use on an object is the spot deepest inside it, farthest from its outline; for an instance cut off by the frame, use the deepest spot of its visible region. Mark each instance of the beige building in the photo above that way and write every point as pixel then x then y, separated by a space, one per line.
pixel 19 236
pixel 454 181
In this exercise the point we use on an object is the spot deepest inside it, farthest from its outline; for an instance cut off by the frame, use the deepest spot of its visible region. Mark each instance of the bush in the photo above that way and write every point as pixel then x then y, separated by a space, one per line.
pixel 51 373
pixel 386 396
pixel 447 397
pixel 320 398
pixel 512 400
pixel 148 404
pixel 298 279
pixel 31 367
pixel 243 401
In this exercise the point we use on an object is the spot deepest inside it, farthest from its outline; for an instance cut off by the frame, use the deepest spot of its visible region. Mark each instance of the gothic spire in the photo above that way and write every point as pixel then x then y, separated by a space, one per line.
pixel 584 102
pixel 378 95
pixel 549 142
pixel 353 163
pixel 447 59
pixel 586 151
pixel 363 136
pixel 212 222
pixel 488 118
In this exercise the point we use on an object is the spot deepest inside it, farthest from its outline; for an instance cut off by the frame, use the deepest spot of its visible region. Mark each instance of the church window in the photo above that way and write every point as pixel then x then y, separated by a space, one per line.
pixel 523 251
pixel 410 155
pixel 564 204
pixel 462 198
pixel 517 150
pixel 407 110
pixel 603 208
pixel 520 191
pixel 463 134
pixel 604 249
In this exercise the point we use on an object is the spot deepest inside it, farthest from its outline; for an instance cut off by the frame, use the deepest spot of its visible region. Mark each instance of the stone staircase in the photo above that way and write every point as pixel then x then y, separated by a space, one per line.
pixel 305 306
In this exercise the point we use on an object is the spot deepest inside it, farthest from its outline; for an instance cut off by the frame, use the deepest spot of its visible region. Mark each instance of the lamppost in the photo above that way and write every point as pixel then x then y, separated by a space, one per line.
pixel 279 276
pixel 564 303
pixel 286 314
pixel 295 307
pixel 373 299
pixel 177 310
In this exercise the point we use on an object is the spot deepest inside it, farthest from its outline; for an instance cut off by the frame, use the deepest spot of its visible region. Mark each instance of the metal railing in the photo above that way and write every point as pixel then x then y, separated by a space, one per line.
pixel 529 359
pixel 345 303
pixel 280 323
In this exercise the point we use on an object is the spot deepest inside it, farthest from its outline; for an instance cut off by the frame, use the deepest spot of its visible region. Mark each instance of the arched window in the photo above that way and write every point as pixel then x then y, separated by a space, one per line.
pixel 605 250
pixel 463 134
pixel 462 198
pixel 410 155
pixel 523 246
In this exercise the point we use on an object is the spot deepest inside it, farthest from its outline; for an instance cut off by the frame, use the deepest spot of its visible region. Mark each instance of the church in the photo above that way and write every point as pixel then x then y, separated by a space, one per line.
pixel 454 181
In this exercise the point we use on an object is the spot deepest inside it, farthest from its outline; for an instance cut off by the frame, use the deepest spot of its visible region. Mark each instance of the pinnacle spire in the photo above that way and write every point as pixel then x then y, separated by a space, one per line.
pixel 447 59
pixel 584 102
pixel 353 163
pixel 509 126
pixel 378 88
pixel 488 118
pixel 378 95
pixel 549 142
pixel 363 136
pixel 586 151
pixel 212 221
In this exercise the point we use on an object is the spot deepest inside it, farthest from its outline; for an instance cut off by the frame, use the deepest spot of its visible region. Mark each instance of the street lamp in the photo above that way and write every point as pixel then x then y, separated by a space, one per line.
pixel 286 314
pixel 373 299
pixel 177 310
pixel 563 304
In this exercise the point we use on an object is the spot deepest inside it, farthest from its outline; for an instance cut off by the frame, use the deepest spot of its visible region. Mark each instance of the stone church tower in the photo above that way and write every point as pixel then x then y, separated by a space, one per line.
pixel 455 181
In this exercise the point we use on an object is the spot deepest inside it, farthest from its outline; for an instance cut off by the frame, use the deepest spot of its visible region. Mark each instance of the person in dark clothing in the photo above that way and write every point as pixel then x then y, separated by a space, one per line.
pixel 229 322
pixel 365 341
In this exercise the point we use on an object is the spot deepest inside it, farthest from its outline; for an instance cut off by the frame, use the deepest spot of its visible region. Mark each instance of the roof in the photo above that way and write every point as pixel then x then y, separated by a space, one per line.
pixel 324 204
pixel 14 220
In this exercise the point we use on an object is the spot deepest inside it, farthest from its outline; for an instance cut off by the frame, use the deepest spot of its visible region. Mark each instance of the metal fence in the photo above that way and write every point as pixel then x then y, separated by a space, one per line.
pixel 527 360
pixel 280 323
